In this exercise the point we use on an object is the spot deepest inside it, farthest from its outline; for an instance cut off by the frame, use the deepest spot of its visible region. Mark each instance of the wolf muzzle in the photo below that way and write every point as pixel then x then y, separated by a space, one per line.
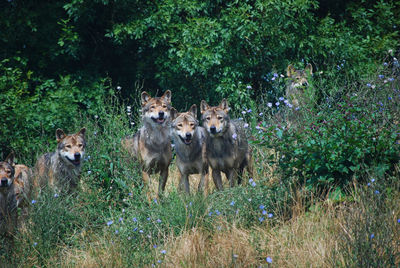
pixel 4 182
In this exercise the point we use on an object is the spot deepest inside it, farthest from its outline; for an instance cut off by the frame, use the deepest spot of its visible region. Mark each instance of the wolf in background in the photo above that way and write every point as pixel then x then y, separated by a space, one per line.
pixel 296 82
pixel 190 147
pixel 61 169
pixel 151 145
pixel 226 145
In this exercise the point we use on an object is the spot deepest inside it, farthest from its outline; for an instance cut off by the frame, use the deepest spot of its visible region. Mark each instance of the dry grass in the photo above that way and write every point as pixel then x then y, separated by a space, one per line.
pixel 306 241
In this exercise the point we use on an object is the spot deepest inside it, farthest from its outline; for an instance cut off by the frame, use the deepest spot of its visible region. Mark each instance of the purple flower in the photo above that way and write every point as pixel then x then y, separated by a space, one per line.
pixel 232 203
pixel 116 231
pixel 381 76
pixel 264 212
pixel 269 104
pixel 163 251
pixel 273 78
pixel 261 206
pixel 246 125
pixel 33 201
pixel 281 98
pixel 134 219
pixel 210 213
pixel 148 219
pixel 55 195
pixel 243 112
pixel 372 236
pixel 234 136
pixel 398 220
pixel 159 261
pixel 270 215
pixel 248 87
pixel 120 219
pixel 385 64
pixel 155 246
pixel 276 75
pixel 217 212
pixel 34 244
pixel 109 223
pixel 377 192
pixel 269 260
pixel 369 85
pixel 277 103
pixel 130 194
pixel 260 114
pixel 249 110
pixel 391 79
pixel 253 184
pixel 261 219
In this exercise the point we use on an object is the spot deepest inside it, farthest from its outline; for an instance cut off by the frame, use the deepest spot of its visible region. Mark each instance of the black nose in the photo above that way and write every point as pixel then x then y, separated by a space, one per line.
pixel 161 115
pixel 305 84
pixel 213 129
pixel 4 182
pixel 77 156
pixel 188 135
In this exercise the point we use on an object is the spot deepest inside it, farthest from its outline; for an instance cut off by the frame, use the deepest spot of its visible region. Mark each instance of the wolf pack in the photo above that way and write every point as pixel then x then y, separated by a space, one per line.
pixel 220 144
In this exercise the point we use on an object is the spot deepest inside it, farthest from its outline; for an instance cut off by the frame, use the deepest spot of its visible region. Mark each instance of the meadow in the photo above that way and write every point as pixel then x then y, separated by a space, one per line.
pixel 325 193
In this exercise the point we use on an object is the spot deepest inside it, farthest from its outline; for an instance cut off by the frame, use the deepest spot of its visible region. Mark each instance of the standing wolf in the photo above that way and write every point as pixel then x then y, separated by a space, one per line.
pixel 151 145
pixel 297 81
pixel 61 169
pixel 190 147
pixel 226 146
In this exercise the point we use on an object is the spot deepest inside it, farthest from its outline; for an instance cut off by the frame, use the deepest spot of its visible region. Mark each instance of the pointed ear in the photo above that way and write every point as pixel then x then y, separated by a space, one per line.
pixel 290 70
pixel 145 97
pixel 224 105
pixel 60 135
pixel 174 113
pixel 10 159
pixel 204 106
pixel 82 132
pixel 193 110
pixel 167 96
pixel 308 68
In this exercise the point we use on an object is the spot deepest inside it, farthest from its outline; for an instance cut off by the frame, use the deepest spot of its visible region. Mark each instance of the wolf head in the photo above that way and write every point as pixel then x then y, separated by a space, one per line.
pixel 184 124
pixel 71 148
pixel 156 111
pixel 215 119
pixel 298 78
pixel 7 173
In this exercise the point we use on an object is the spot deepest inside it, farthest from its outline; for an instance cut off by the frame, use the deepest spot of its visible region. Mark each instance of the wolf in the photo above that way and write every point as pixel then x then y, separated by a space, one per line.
pixel 151 145
pixel 296 82
pixel 8 199
pixel 227 148
pixel 61 169
pixel 190 147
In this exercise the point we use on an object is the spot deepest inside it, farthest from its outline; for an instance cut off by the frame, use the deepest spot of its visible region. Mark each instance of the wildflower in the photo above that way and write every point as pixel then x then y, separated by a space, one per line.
pixel 257 127
pixel 372 236
pixel 253 184
pixel 96 116
pixel 381 76
pixel 155 246
pixel 391 79
pixel 261 219
pixel 33 201
pixel 163 251
pixel 249 110
pixel 269 104
pixel 260 114
pixel 210 213
pixel 246 125
pixel 290 105
pixel 237 212
pixel 269 260
pixel 158 220
pixel 135 229
pixel 134 219
pixel 385 64
pixel 369 184
pixel 281 98
pixel 116 231
pixel 261 207
pixel 129 238
pixel 369 85
pixel 34 244
pixel 232 203
pixel 240 118
pixel 128 108
pixel 286 102
pixel 389 98
pixel 249 199
pixel 372 180
pixel 234 136
pixel 270 215
pixel 264 212
pixel 155 200
pixel 219 228
pixel 89 172
pixel 109 223
pixel 377 192
pixel 235 256
pixel 398 220
pixel 118 88
pixel 248 87
pixel 273 78
pixel 276 75
pixel 217 212
pixel 141 231
pixel 243 112
pixel 148 219
pixel 55 195
pixel 277 103
pixel 130 194
pixel 123 210
pixel 120 219
pixel 159 261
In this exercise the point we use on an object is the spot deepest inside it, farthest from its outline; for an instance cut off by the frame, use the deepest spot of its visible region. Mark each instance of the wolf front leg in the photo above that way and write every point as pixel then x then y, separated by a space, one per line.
pixel 184 183
pixel 216 174
pixel 162 181
pixel 203 184
pixel 231 175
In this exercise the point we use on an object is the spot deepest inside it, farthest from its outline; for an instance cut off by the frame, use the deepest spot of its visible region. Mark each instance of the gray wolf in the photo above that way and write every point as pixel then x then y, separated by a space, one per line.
pixel 151 145
pixel 296 83
pixel 61 169
pixel 190 147
pixel 227 148
pixel 8 199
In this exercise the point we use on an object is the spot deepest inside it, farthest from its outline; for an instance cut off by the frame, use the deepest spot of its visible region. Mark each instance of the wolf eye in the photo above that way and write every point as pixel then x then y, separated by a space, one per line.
pixel 219 117
pixel 191 125
pixel 80 145
pixel 68 146
pixel 8 171
pixel 152 107
pixel 179 125
pixel 208 118
pixel 164 106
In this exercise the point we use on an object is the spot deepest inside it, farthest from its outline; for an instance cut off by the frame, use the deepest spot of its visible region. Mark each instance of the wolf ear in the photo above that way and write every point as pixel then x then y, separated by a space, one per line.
pixel 174 113
pixel 82 132
pixel 167 96
pixel 145 97
pixel 204 106
pixel 290 70
pixel 10 159
pixel 224 105
pixel 193 110
pixel 60 135
pixel 308 68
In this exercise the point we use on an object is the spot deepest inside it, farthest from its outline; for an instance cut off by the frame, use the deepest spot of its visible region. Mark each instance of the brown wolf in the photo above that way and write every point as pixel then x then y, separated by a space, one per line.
pixel 8 199
pixel 227 148
pixel 61 169
pixel 190 147
pixel 297 81
pixel 151 145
